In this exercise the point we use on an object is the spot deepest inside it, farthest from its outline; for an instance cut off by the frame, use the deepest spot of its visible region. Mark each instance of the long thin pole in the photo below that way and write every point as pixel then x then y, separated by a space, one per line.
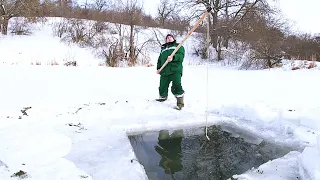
pixel 185 38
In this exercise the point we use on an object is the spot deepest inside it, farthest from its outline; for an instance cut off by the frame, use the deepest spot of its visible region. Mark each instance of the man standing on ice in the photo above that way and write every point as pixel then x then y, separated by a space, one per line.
pixel 171 72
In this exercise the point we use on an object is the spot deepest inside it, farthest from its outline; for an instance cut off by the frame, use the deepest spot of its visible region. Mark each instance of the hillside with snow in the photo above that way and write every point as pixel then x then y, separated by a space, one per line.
pixel 44 47
pixel 65 122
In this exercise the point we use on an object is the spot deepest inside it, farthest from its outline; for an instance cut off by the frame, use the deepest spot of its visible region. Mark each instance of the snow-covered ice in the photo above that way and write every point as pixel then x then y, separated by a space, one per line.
pixel 79 117
pixel 284 168
pixel 309 163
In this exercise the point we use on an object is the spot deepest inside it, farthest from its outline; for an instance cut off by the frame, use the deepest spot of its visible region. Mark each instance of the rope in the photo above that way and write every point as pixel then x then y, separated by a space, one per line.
pixel 208 51
pixel 207 100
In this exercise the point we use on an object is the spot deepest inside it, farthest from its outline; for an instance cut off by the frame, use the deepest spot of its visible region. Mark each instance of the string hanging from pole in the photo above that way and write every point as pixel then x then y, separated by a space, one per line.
pixel 208 58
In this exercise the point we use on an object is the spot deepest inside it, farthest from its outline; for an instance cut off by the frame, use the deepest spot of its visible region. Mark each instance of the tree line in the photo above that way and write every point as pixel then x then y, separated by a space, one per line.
pixel 232 24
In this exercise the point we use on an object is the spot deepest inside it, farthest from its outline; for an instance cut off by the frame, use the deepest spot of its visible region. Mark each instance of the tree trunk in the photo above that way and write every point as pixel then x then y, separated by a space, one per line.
pixel 205 53
pixel 227 37
pixel 219 51
pixel 269 62
pixel 162 21
pixel 226 42
pixel 219 54
pixel 131 46
pixel 214 35
pixel 121 41
pixel 5 23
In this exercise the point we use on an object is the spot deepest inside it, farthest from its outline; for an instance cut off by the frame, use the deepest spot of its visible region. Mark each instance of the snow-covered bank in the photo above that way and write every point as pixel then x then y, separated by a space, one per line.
pixel 42 48
pixel 46 49
pixel 309 163
pixel 36 150
pixel 60 122
pixel 110 102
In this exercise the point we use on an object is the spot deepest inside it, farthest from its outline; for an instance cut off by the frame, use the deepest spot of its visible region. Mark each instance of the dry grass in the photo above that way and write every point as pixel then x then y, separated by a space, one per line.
pixel 277 66
pixel 53 63
pixel 101 64
pixel 36 63
pixel 295 68
pixel 148 65
pixel 303 65
pixel 312 65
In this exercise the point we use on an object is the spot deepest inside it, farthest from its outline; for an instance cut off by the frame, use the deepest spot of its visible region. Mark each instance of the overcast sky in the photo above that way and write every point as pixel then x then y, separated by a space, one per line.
pixel 306 13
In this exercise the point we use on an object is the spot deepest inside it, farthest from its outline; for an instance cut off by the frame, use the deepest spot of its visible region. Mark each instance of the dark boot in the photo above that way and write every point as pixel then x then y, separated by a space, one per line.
pixel 161 99
pixel 180 102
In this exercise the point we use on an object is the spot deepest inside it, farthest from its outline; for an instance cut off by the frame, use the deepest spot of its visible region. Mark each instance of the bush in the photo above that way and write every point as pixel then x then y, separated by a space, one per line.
pixel 83 32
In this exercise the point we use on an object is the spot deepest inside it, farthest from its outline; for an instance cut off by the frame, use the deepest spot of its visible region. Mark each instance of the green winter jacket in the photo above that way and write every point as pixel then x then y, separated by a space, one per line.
pixel 175 66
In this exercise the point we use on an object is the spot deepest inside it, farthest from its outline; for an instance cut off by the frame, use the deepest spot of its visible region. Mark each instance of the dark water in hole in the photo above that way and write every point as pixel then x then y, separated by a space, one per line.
pixel 188 155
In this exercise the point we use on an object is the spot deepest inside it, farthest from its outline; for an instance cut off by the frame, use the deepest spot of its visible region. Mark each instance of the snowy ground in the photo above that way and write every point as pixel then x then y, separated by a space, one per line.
pixel 79 118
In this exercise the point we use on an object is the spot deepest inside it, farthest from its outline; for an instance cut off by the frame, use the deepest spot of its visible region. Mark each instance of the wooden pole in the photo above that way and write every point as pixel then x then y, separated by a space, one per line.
pixel 189 33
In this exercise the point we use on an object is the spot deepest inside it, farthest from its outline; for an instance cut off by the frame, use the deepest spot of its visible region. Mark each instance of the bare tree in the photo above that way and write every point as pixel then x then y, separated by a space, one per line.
pixel 64 7
pixel 166 9
pixel 101 5
pixel 85 33
pixel 64 3
pixel 156 32
pixel 18 8
pixel 121 39
pixel 302 46
pixel 266 39
pixel 226 15
pixel 132 14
